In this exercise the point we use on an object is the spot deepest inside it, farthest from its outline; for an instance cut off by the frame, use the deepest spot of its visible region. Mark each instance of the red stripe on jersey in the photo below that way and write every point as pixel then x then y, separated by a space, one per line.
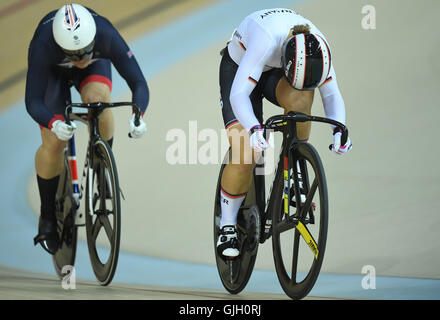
pixel 326 81
pixel 231 124
pixel 253 80
pixel 96 78
pixel 55 118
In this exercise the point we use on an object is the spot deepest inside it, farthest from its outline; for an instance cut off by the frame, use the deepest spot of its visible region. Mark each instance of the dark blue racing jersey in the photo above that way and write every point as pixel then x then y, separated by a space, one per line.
pixel 44 55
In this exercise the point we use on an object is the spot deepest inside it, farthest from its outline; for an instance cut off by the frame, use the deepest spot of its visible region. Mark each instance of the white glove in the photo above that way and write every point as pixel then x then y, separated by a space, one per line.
pixel 137 131
pixel 63 130
pixel 337 148
pixel 257 141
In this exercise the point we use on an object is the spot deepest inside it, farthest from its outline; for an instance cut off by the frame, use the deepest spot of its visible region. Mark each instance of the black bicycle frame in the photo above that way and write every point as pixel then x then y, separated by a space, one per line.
pixel 286 124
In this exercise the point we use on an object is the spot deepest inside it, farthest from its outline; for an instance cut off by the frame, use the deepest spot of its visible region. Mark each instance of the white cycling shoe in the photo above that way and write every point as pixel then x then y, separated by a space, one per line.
pixel 227 243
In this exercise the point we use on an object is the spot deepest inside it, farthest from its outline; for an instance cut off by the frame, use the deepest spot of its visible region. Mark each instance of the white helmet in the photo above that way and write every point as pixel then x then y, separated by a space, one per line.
pixel 74 28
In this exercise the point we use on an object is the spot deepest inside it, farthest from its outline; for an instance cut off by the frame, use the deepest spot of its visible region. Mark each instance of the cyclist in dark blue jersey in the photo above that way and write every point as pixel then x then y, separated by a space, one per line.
pixel 74 46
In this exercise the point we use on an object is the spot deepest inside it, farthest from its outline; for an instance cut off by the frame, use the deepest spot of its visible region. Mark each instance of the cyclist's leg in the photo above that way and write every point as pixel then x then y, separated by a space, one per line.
pixel 290 99
pixel 99 92
pixel 49 156
pixel 94 84
pixel 237 174
pixel 48 165
pixel 278 91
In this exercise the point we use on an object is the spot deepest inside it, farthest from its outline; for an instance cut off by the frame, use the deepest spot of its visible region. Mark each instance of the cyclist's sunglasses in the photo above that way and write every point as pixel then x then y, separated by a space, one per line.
pixel 78 55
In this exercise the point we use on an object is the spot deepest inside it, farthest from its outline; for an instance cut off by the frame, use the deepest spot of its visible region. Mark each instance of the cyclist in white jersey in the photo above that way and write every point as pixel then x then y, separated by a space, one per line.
pixel 279 55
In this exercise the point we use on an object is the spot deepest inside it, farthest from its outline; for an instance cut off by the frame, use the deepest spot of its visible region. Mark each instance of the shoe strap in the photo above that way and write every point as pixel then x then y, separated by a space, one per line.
pixel 228 230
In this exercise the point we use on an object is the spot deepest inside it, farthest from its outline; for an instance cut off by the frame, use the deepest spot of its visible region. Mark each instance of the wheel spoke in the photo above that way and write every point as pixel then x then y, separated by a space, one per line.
pixel 102 186
pixel 95 228
pixel 95 200
pixel 295 254
pixel 107 227
pixel 308 238
pixel 306 207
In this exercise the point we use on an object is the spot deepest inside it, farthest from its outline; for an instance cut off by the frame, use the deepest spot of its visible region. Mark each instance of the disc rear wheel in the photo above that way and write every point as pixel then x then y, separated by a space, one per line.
pixel 235 273
pixel 67 231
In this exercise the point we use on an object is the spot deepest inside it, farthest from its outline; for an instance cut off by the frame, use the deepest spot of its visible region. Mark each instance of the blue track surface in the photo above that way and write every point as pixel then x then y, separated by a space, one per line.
pixel 19 225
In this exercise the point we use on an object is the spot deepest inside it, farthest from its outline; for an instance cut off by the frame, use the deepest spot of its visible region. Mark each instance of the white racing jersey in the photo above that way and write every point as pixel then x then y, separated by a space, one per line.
pixel 256 47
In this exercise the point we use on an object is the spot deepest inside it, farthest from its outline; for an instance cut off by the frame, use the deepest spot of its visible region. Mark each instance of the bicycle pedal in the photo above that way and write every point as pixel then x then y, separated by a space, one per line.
pixel 268 226
pixel 231 259
pixel 267 231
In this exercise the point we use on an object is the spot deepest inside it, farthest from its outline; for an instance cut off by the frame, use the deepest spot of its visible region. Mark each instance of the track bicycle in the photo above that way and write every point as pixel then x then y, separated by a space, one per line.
pixel 102 217
pixel 299 175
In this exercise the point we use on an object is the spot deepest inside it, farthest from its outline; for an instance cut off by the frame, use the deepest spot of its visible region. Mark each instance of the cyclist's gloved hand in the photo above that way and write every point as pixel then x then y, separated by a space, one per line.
pixel 257 141
pixel 63 130
pixel 336 146
pixel 137 131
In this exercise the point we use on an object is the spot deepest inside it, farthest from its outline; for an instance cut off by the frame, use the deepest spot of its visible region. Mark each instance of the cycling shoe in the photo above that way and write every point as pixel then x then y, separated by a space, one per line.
pixel 47 235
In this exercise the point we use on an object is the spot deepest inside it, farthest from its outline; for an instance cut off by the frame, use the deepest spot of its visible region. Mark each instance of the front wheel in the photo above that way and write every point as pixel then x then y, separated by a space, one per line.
pixel 298 261
pixel 103 213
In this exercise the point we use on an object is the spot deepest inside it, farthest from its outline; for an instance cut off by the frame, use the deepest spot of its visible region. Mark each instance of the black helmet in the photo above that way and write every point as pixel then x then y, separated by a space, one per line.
pixel 306 61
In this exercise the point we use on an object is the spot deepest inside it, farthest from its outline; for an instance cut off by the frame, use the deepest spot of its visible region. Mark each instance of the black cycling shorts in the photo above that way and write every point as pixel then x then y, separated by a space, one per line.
pixel 266 88
pixel 62 79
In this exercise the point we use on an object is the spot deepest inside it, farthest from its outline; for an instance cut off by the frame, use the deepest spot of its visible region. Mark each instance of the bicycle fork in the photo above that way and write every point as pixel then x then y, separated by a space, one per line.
pixel 300 226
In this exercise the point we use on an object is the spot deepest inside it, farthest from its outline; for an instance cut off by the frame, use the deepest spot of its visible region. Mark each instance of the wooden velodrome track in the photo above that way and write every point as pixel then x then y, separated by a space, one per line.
pixel 384 208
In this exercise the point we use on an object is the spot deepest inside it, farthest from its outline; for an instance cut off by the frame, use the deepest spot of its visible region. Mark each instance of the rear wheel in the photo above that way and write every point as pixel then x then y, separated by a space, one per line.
pixel 67 231
pixel 235 273
pixel 103 213
pixel 298 261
